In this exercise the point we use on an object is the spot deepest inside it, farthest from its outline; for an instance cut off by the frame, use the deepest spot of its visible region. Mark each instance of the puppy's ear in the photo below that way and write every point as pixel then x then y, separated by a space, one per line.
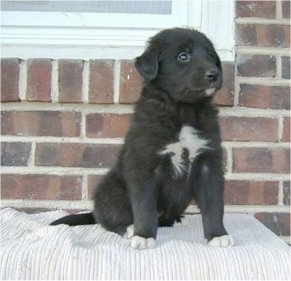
pixel 148 63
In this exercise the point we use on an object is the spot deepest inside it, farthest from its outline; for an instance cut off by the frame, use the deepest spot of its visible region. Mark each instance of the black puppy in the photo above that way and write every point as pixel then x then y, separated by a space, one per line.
pixel 172 152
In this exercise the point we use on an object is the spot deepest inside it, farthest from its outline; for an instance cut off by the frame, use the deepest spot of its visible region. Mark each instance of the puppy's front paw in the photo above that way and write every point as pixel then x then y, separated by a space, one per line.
pixel 222 241
pixel 141 243
pixel 129 232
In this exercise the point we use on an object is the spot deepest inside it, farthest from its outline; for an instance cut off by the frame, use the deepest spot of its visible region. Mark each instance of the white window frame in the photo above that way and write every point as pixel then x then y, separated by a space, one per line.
pixel 59 34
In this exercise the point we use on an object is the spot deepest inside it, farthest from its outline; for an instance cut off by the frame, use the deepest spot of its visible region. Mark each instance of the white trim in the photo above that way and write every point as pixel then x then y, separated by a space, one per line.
pixel 88 36
pixel 116 29
pixel 218 23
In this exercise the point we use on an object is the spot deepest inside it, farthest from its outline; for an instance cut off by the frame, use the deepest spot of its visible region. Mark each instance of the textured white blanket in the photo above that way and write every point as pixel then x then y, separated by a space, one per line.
pixel 31 249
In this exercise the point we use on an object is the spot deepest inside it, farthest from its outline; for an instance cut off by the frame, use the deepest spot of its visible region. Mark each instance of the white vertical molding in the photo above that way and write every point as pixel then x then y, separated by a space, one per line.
pixel 217 27
pixel 195 13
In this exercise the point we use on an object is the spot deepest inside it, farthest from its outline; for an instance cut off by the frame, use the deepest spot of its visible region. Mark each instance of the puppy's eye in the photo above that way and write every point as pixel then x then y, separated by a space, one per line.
pixel 184 57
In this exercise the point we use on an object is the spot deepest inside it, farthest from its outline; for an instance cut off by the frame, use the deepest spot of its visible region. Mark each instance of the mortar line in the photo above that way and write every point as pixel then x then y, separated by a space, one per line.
pixel 53 170
pixel 86 108
pixel 85 82
pixel 120 141
pixel 254 20
pixel 116 81
pixel 31 161
pixel 262 50
pixel 85 187
pixel 83 127
pixel 278 67
pixel 22 86
pixel 236 91
pixel 280 128
pixel 73 171
pixel 229 159
pixel 280 194
pixel 279 9
pixel 73 140
pixel 266 81
pixel 128 109
pixel 55 82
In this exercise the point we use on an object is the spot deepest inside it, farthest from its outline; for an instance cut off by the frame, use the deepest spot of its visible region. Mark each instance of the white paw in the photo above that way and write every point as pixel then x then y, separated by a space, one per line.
pixel 141 243
pixel 129 232
pixel 222 241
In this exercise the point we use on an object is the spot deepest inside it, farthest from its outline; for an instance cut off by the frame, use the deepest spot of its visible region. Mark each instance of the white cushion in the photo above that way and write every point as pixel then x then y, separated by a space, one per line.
pixel 31 249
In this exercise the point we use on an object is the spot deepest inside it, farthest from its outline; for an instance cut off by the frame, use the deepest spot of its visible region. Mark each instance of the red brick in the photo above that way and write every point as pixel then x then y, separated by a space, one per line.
pixel 259 96
pixel 130 82
pixel 263 35
pixel 101 81
pixel 286 9
pixel 240 192
pixel 261 160
pixel 286 129
pixel 260 9
pixel 286 193
pixel 9 79
pixel 70 80
pixel 39 80
pixel 41 123
pixel 15 154
pixel 286 67
pixel 256 65
pixel 41 187
pixel 225 95
pixel 248 129
pixel 107 125
pixel 279 223
pixel 76 155
pixel 93 181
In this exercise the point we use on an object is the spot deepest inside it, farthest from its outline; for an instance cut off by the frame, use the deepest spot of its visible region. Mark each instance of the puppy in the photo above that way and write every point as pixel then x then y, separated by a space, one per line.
pixel 172 152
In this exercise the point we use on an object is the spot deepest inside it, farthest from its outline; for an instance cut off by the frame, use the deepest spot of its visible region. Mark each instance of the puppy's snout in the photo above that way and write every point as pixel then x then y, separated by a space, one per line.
pixel 212 74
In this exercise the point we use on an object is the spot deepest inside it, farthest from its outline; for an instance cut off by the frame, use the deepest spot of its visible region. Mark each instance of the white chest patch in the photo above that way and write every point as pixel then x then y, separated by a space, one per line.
pixel 188 139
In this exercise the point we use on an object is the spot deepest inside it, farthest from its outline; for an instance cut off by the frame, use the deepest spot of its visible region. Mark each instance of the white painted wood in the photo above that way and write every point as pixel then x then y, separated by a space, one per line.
pixel 218 22
pixel 76 35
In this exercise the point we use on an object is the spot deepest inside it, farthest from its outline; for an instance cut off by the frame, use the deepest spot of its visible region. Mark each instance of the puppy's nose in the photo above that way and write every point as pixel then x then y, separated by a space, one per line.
pixel 212 75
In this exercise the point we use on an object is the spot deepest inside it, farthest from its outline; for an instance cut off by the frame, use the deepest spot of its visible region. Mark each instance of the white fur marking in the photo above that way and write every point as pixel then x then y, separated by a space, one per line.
pixel 142 243
pixel 210 91
pixel 176 149
pixel 188 139
pixel 222 241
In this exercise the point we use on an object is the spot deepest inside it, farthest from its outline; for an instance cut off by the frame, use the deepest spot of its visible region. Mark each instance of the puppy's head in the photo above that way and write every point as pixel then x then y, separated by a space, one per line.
pixel 182 63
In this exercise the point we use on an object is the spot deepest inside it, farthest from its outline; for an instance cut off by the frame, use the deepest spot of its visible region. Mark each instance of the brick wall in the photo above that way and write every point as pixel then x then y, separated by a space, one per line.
pixel 63 122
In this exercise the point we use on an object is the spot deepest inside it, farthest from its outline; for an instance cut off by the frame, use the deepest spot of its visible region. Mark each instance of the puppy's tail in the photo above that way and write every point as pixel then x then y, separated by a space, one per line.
pixel 79 219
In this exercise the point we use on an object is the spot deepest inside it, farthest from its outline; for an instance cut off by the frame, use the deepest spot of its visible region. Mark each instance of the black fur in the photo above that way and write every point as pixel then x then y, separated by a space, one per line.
pixel 178 66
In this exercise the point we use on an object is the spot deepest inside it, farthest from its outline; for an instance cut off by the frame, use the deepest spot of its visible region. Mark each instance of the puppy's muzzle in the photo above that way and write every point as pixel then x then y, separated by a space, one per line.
pixel 212 75
pixel 214 78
